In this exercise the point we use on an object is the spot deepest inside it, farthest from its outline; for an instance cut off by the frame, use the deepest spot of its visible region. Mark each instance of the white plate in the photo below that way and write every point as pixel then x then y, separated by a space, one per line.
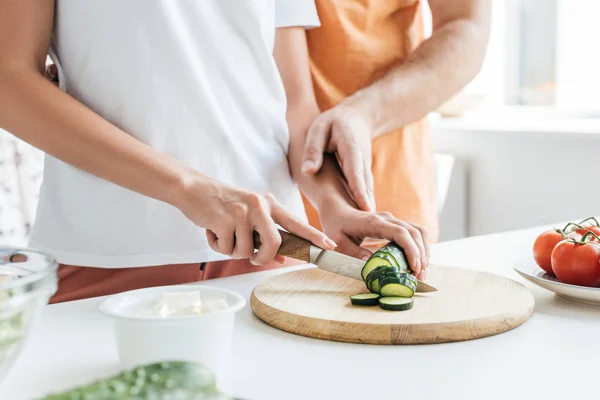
pixel 529 270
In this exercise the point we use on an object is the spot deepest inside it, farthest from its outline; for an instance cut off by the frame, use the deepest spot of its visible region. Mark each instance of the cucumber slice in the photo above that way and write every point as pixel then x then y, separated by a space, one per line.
pixel 397 254
pixel 403 286
pixel 387 256
pixel 364 299
pixel 396 303
pixel 380 271
pixel 375 286
pixel 372 263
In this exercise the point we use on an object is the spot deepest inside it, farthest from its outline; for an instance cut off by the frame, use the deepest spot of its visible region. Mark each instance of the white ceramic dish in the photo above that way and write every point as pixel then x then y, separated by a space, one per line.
pixel 529 270
pixel 204 339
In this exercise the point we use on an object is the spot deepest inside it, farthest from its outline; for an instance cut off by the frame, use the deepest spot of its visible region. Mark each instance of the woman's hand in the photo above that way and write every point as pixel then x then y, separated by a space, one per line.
pixel 345 131
pixel 231 215
pixel 349 227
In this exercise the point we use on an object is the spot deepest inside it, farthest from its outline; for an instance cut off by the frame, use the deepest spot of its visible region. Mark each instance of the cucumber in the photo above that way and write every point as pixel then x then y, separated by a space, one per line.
pixel 364 299
pixel 387 256
pixel 166 380
pixel 396 303
pixel 375 286
pixel 402 286
pixel 397 254
pixel 372 263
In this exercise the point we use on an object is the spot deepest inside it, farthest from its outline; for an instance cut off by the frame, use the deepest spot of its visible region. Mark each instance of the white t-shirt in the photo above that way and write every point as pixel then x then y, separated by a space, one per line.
pixel 193 78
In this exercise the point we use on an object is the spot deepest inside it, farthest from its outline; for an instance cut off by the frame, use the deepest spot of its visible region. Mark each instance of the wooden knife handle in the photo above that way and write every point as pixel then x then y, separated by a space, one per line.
pixel 291 246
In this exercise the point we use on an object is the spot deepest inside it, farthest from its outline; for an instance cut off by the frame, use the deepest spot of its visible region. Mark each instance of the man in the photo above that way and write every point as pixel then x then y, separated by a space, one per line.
pixel 375 79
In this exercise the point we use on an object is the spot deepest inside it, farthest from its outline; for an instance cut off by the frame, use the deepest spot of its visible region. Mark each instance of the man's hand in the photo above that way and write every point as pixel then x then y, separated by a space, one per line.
pixel 345 131
pixel 348 227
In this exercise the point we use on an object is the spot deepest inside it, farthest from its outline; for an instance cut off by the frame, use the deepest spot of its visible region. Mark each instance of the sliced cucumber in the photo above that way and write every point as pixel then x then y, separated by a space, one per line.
pixel 375 286
pixel 397 254
pixel 387 256
pixel 396 303
pixel 372 263
pixel 364 299
pixel 403 286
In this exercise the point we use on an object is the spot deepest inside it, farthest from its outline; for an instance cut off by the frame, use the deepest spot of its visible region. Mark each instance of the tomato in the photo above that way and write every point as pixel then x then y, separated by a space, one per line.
pixel 543 246
pixel 577 262
pixel 581 231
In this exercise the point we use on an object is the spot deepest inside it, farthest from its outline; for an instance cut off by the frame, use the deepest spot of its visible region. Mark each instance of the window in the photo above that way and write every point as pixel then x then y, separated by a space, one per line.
pixel 543 53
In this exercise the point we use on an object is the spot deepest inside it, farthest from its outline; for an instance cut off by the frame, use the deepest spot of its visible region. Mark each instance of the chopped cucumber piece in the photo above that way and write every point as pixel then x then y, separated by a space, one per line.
pixel 403 286
pixel 396 303
pixel 365 299
pixel 375 286
pixel 397 254
pixel 373 263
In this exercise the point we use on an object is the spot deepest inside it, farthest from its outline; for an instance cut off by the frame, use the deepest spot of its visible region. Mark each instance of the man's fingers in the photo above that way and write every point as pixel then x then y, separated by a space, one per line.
pixel 316 141
pixel 369 181
pixel 379 226
pixel 294 225
pixel 354 172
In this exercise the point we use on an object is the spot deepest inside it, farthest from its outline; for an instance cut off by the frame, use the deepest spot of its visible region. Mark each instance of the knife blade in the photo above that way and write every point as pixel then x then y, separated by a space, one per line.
pixel 350 267
pixel 328 260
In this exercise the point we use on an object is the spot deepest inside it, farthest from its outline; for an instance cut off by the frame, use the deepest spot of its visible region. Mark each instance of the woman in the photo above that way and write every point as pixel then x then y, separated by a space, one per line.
pixel 164 161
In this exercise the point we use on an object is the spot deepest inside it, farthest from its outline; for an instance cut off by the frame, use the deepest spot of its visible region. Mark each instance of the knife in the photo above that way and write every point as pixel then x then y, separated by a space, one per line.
pixel 328 260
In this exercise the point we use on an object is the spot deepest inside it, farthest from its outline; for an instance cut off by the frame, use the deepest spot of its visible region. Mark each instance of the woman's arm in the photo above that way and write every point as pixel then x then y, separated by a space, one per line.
pixel 326 190
pixel 35 110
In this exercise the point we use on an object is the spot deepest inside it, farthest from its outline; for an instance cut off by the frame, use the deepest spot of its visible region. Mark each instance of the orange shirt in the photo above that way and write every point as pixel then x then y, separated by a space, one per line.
pixel 357 43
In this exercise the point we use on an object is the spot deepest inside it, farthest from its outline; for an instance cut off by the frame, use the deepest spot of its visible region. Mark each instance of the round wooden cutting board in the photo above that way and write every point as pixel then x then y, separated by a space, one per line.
pixel 468 305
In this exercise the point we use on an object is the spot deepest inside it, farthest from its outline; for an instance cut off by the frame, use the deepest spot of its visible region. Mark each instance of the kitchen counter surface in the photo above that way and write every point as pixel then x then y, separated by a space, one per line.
pixel 554 355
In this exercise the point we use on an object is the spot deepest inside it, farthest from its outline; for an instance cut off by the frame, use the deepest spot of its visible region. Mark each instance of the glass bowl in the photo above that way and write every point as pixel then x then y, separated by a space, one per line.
pixel 27 281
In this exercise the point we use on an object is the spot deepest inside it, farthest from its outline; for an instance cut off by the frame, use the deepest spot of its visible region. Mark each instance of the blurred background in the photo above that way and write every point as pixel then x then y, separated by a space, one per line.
pixel 517 148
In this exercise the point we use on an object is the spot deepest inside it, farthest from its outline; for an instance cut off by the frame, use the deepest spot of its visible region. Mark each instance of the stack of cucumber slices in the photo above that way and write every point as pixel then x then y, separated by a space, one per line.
pixel 389 279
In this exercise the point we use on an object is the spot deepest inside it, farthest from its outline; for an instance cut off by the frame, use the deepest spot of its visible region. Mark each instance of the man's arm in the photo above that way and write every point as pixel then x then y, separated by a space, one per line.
pixel 436 71
pixel 326 190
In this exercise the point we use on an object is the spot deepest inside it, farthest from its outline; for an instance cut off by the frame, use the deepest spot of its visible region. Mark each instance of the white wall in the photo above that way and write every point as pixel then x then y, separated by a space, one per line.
pixel 523 175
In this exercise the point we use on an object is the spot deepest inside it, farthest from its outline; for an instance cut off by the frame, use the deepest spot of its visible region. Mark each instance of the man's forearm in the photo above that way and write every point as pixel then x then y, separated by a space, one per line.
pixel 436 71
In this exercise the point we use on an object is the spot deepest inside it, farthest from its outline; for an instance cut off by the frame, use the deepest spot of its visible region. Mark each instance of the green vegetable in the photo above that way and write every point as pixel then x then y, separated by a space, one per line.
pixel 397 254
pixel 404 285
pixel 396 303
pixel 388 274
pixel 176 380
pixel 364 299
pixel 372 263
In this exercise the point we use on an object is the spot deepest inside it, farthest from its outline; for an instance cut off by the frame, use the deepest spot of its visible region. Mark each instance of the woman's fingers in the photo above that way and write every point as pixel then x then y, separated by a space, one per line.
pixel 221 242
pixel 270 240
pixel 346 246
pixel 292 224
pixel 243 246
pixel 425 237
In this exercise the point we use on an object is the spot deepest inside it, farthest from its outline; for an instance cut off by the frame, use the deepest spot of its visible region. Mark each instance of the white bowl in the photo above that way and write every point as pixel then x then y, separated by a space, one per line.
pixel 529 270
pixel 204 339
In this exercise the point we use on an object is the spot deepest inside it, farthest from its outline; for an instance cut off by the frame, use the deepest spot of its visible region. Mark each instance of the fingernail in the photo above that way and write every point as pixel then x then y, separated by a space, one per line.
pixel 365 257
pixel 423 275
pixel 418 266
pixel 331 243
pixel 307 166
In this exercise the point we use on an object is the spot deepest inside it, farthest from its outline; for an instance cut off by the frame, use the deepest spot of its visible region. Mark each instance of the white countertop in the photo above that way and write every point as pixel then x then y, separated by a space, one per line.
pixel 554 355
